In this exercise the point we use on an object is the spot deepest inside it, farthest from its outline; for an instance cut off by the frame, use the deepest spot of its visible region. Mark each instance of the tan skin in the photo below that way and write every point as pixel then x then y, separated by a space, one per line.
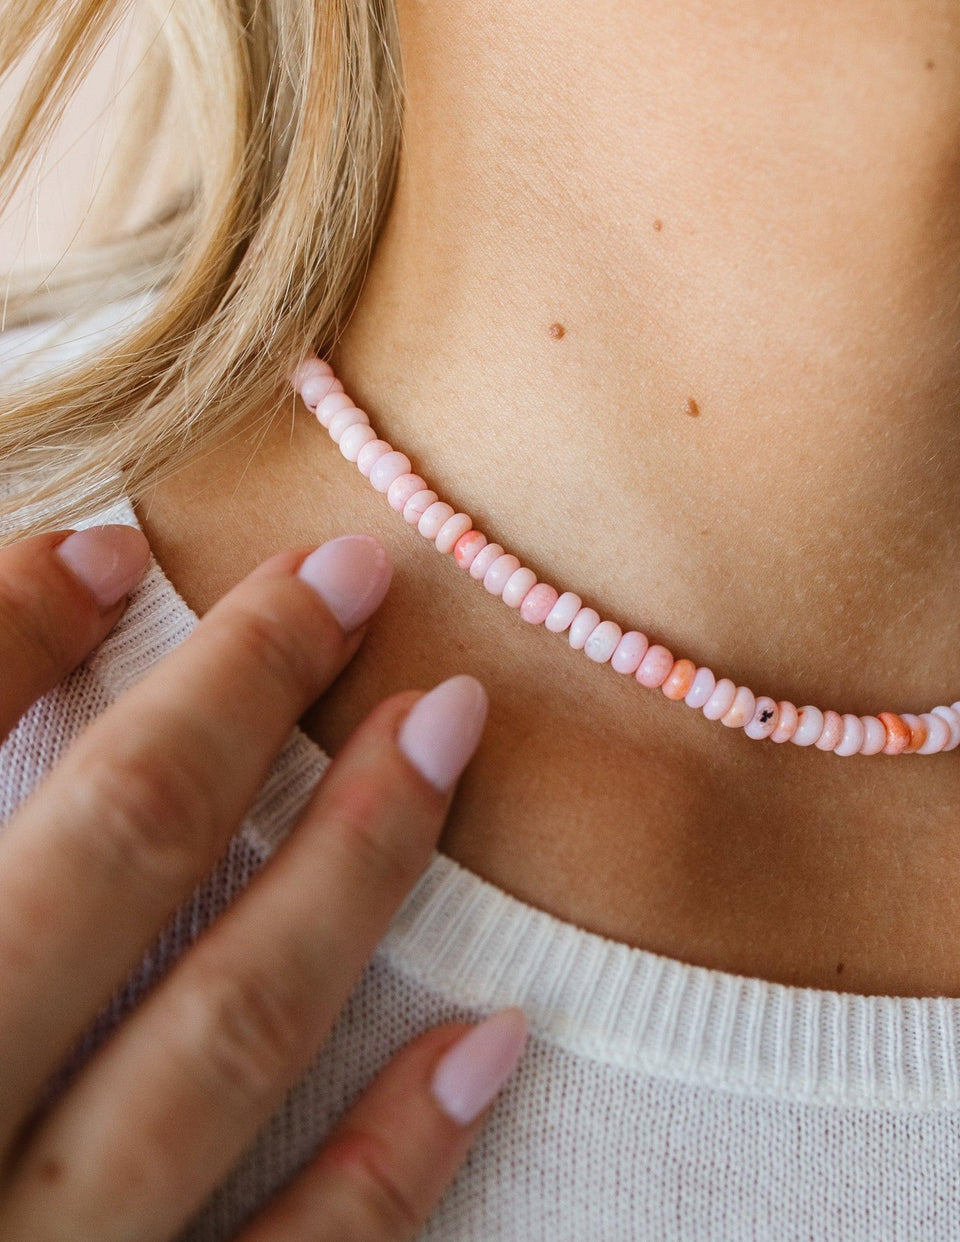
pixel 744 443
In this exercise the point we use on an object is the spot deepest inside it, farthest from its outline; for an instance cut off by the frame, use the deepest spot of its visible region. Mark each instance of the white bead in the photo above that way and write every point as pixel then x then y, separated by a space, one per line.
pixel 953 724
pixel 451 530
pixel 354 438
pixel 602 642
pixel 810 726
pixel 518 584
pixel 387 468
pixel 433 518
pixel 331 404
pixel 582 626
pixel 349 416
pixel 561 615
pixel 851 739
pixel 938 734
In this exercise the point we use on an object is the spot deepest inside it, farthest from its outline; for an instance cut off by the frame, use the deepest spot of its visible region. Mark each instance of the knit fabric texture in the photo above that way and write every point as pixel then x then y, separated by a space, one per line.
pixel 656 1100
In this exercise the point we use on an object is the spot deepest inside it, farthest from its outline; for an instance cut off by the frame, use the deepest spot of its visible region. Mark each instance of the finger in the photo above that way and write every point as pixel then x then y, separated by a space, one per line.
pixel 382 1171
pixel 215 1047
pixel 144 802
pixel 60 595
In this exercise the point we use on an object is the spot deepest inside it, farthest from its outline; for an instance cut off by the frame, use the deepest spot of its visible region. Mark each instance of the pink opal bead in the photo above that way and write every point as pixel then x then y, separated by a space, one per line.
pixel 874 736
pixel 680 679
pixel 832 731
pixel 451 530
pixel 654 669
pixel 721 699
pixel 484 559
pixel 372 451
pixel 402 488
pixel 765 718
pixel 387 468
pixel 311 371
pixel 602 642
pixel 349 416
pixel 809 726
pixel 938 734
pixel 495 579
pixel 953 724
pixel 354 438
pixel 704 684
pixel 582 626
pixel 537 603
pixel 519 583
pixel 332 404
pixel 313 380
pixel 630 651
pixel 314 390
pixel 560 617
pixel 787 721
pixel 467 546
pixel 852 737
pixel 741 710
pixel 418 504
pixel 433 518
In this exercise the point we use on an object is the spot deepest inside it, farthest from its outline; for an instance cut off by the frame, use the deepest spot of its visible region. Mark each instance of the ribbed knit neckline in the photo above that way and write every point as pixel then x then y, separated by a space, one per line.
pixel 479 947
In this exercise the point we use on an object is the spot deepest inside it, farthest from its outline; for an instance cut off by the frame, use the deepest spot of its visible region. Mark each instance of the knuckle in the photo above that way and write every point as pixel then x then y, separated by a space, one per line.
pixel 156 818
pixel 250 1037
pixel 364 819
pixel 36 632
pixel 288 658
pixel 363 1158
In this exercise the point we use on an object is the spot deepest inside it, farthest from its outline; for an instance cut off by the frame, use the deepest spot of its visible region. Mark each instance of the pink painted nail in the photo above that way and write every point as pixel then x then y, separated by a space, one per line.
pixel 108 560
pixel 471 1073
pixel 351 574
pixel 442 729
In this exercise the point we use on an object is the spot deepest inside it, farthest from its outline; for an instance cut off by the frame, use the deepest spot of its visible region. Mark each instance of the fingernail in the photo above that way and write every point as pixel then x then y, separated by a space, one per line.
pixel 108 560
pixel 441 730
pixel 351 575
pixel 471 1073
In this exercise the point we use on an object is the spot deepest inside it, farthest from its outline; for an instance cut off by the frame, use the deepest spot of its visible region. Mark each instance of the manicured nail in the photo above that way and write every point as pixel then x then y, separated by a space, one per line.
pixel 351 575
pixel 471 1073
pixel 108 560
pixel 442 729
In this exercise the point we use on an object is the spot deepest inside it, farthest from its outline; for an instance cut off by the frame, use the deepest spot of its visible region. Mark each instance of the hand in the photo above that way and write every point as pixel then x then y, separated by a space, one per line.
pixel 117 837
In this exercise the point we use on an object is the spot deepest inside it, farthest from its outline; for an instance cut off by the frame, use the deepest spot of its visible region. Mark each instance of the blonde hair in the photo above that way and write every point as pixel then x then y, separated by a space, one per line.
pixel 296 109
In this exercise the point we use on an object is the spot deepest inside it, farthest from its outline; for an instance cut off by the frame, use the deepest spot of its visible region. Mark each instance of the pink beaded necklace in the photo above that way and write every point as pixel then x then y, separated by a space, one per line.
pixel 650 664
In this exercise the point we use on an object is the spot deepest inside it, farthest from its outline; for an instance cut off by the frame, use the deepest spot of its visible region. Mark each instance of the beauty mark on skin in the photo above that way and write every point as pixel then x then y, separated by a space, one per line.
pixel 658 225
pixel 692 408
pixel 556 330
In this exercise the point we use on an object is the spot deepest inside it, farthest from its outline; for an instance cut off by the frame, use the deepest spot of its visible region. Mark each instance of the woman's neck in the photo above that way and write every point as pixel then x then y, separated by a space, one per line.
pixel 748 225
pixel 744 443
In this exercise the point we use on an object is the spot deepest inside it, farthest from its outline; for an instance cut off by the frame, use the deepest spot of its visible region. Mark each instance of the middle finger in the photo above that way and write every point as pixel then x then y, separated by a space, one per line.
pixel 145 800
pixel 216 1046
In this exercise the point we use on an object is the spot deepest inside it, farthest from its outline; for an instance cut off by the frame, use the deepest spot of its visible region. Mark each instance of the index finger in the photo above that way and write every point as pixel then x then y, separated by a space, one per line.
pixel 146 799
pixel 60 595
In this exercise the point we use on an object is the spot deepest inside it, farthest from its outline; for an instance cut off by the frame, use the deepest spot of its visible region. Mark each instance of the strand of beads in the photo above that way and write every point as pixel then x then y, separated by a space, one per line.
pixel 630 653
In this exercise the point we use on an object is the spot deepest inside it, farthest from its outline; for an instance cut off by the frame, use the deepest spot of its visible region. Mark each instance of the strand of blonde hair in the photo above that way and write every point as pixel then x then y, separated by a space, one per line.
pixel 295 111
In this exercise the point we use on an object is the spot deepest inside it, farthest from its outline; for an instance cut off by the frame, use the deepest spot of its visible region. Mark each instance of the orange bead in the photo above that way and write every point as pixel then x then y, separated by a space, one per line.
pixel 898 733
pixel 680 679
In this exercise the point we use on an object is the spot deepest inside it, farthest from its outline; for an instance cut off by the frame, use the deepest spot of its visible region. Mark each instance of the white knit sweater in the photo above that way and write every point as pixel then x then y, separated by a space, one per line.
pixel 656 1100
